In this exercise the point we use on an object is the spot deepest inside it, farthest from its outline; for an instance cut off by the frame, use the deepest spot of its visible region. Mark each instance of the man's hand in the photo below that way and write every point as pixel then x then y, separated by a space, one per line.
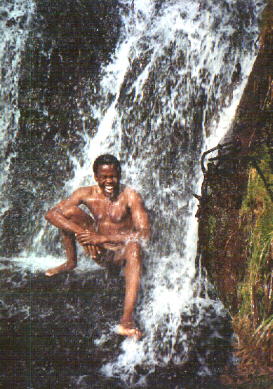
pixel 90 238
pixel 86 241
pixel 92 250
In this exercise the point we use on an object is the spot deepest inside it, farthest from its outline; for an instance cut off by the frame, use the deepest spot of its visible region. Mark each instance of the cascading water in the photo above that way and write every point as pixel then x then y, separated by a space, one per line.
pixel 177 98
pixel 169 92
pixel 15 19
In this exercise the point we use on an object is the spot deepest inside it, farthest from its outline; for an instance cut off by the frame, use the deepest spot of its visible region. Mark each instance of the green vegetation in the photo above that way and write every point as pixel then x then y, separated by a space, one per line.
pixel 254 321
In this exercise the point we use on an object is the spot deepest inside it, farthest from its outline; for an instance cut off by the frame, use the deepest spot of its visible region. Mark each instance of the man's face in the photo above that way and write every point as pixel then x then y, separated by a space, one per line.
pixel 108 179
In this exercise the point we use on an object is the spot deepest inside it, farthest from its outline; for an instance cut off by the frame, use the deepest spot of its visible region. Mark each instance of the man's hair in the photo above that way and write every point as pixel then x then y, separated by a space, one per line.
pixel 106 159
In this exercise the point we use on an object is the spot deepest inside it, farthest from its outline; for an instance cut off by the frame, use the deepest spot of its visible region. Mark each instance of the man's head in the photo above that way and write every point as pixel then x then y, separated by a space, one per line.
pixel 106 159
pixel 107 173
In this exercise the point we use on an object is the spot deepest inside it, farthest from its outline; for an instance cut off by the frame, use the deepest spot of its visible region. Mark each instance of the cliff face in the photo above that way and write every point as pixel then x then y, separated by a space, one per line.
pixel 236 216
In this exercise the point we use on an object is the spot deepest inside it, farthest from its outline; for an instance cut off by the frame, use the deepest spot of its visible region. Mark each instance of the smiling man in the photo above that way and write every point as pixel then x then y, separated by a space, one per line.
pixel 112 234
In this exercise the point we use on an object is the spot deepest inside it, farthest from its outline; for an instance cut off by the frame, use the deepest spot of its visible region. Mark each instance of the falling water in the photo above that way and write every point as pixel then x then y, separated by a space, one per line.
pixel 174 98
pixel 15 19
pixel 169 92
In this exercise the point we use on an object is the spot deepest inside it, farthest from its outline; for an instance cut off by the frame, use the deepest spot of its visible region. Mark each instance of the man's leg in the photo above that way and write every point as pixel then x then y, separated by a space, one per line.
pixel 77 215
pixel 132 271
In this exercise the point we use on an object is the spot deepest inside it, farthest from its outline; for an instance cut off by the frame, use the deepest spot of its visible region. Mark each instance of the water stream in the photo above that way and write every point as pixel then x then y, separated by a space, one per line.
pixel 15 18
pixel 169 92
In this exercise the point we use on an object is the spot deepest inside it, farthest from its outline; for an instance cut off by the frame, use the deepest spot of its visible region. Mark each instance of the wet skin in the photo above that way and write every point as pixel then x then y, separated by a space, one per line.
pixel 117 222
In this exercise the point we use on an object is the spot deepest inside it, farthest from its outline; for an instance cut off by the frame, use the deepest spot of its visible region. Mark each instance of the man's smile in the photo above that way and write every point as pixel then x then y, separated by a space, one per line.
pixel 109 189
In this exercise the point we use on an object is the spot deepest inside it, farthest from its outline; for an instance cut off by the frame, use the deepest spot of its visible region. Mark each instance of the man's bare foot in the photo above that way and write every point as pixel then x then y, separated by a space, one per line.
pixel 59 269
pixel 129 329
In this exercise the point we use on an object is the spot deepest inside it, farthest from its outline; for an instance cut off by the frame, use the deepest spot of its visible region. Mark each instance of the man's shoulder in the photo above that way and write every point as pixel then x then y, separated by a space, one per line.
pixel 127 189
pixel 131 193
pixel 86 191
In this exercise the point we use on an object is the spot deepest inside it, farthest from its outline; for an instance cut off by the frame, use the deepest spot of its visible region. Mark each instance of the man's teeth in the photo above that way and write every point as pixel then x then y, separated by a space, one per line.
pixel 108 188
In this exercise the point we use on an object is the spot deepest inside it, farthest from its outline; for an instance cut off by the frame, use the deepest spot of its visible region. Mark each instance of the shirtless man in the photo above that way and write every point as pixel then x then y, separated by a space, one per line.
pixel 117 225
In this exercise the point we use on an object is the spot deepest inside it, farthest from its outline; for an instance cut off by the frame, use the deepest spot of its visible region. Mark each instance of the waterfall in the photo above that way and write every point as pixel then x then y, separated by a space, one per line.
pixel 169 92
pixel 15 19
pixel 176 99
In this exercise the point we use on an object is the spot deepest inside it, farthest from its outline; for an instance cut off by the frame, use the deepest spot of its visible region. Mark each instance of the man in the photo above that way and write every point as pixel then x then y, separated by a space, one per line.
pixel 112 233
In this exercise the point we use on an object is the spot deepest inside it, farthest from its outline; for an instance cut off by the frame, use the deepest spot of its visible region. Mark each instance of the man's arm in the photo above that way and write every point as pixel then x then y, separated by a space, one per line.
pixel 56 215
pixel 141 224
pixel 59 217
pixel 140 230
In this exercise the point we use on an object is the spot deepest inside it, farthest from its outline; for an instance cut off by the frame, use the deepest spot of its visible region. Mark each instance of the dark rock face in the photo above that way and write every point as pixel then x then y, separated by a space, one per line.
pixel 68 42
pixel 61 330
pixel 235 230
pixel 226 181
pixel 50 336
pixel 222 251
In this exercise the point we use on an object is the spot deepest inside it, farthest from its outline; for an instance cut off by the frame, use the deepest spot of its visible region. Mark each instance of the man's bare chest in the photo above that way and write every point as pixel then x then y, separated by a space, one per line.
pixel 107 210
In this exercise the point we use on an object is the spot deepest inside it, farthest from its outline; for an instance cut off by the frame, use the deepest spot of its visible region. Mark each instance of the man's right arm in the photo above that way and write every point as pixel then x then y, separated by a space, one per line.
pixel 59 215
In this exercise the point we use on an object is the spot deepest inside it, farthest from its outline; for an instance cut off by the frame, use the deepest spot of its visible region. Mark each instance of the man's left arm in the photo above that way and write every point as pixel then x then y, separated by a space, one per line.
pixel 140 218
